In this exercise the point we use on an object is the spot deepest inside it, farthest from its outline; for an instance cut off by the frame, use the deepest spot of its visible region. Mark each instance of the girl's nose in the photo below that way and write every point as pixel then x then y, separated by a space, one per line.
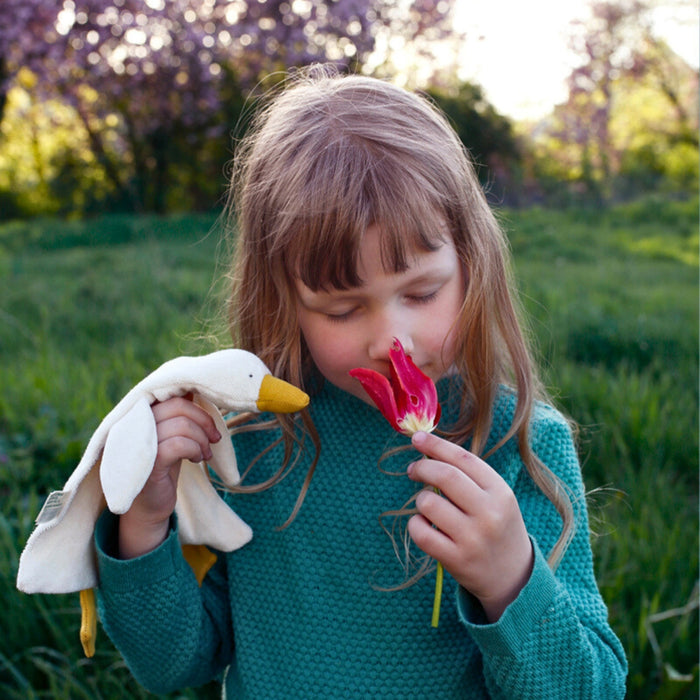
pixel 383 339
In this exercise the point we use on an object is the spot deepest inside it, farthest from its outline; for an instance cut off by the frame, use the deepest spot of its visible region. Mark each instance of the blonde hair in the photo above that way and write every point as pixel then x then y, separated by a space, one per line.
pixel 327 157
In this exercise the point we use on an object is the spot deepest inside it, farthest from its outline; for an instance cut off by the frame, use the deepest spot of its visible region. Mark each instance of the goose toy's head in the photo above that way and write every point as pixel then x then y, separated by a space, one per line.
pixel 234 380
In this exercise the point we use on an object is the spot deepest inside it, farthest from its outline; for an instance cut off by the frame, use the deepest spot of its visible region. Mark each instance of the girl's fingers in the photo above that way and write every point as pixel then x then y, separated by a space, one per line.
pixel 183 407
pixel 468 486
pixel 178 447
pixel 184 431
pixel 450 481
pixel 444 451
pixel 474 526
pixel 433 542
pixel 441 513
pixel 184 426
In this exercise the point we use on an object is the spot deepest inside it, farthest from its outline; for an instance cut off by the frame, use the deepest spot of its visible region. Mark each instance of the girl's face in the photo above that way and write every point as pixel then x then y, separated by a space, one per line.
pixel 352 328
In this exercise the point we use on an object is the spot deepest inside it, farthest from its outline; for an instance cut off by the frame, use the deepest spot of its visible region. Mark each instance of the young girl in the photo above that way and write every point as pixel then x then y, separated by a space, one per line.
pixel 359 220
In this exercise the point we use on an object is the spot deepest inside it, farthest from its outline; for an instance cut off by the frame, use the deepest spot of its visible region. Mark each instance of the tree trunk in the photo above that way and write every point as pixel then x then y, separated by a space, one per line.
pixel 104 159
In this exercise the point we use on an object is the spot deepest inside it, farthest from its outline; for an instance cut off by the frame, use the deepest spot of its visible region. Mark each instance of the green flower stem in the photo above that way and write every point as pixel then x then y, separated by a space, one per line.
pixel 437 599
pixel 438 595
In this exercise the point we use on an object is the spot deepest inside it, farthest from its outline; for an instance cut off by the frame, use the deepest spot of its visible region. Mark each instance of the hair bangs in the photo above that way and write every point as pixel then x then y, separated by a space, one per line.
pixel 358 187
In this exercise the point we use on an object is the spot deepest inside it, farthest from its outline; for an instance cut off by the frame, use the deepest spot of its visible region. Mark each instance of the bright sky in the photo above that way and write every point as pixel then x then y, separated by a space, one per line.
pixel 517 49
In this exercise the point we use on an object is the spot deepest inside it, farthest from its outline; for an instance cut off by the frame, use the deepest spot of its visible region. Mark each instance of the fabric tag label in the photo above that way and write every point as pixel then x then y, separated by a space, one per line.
pixel 52 507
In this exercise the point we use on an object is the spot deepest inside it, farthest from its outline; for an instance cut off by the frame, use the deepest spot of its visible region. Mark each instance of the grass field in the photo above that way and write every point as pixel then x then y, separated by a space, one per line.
pixel 89 308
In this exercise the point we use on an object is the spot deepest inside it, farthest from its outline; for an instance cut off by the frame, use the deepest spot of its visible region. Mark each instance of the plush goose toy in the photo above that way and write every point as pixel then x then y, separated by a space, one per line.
pixel 59 556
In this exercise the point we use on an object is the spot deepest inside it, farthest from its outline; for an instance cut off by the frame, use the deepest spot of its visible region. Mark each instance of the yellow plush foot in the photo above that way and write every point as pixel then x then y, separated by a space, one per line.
pixel 88 622
pixel 200 558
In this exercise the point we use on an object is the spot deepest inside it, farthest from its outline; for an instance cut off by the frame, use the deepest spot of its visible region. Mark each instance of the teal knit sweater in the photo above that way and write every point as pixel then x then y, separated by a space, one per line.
pixel 298 613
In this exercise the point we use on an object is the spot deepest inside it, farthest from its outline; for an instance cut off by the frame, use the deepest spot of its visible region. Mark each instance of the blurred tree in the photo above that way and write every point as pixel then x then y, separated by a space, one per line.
pixel 665 72
pixel 588 139
pixel 609 45
pixel 488 135
pixel 20 22
pixel 654 126
pixel 148 78
pixel 46 164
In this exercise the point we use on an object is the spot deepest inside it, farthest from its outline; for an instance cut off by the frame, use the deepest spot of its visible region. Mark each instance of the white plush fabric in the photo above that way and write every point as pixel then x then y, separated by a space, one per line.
pixel 59 555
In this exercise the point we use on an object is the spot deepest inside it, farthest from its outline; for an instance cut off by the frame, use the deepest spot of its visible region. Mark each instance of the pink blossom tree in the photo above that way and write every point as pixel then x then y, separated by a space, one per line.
pixel 631 114
pixel 153 78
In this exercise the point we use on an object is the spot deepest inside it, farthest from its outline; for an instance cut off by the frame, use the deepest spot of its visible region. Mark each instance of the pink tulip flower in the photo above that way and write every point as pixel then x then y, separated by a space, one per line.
pixel 408 399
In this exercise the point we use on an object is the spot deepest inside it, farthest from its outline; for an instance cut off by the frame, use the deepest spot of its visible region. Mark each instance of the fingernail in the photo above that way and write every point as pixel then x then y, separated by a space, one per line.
pixel 217 435
pixel 419 437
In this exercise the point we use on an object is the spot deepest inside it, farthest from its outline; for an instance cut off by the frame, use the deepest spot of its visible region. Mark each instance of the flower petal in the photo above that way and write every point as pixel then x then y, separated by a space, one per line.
pixel 380 391
pixel 417 393
pixel 408 399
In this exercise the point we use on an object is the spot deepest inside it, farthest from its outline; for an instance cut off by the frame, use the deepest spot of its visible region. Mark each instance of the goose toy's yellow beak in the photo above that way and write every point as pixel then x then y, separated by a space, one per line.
pixel 279 396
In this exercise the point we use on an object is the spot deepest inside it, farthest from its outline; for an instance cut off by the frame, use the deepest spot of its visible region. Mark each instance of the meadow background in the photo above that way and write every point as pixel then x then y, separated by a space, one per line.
pixel 90 307
pixel 118 121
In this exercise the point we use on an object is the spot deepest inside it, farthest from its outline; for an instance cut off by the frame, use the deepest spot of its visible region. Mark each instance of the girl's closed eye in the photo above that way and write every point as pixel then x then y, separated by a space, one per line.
pixel 340 317
pixel 425 298
pixel 343 315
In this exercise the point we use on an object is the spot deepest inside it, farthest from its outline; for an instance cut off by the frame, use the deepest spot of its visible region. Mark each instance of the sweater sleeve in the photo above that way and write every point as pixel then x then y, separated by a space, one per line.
pixel 171 632
pixel 554 640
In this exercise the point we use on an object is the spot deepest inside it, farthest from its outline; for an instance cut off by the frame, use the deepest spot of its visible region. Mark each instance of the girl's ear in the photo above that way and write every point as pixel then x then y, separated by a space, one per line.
pixel 129 454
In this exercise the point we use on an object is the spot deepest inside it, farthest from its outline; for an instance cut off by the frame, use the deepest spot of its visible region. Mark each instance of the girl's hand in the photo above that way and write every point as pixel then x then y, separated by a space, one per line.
pixel 473 526
pixel 184 431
